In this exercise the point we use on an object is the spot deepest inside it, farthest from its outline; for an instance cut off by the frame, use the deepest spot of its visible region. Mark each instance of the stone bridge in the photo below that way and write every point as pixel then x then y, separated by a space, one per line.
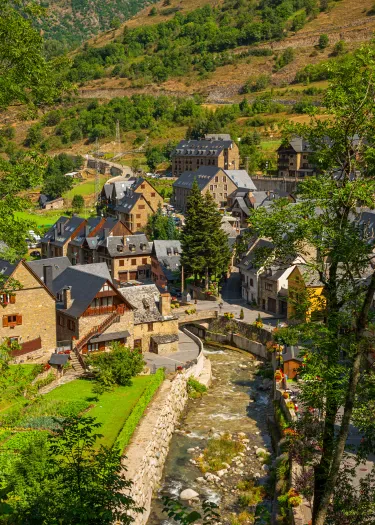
pixel 200 315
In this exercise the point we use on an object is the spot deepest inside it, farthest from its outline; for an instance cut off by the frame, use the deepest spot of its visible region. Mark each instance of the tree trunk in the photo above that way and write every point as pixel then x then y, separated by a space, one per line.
pixel 321 507
pixel 207 279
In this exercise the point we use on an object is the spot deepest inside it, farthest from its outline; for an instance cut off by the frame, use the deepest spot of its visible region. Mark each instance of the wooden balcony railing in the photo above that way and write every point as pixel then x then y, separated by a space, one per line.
pixel 100 310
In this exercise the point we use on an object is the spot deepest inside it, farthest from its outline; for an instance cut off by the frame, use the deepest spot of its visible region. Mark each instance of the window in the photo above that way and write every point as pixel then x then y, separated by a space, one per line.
pixel 93 347
pixel 138 215
pixel 61 320
pixel 141 206
pixel 153 194
pixel 150 327
pixel 137 343
pixel 121 262
pixel 251 282
pixel 144 260
pixel 225 187
pixel 224 179
pixel 6 298
pixel 71 325
pixel 214 195
pixel 143 186
pixel 268 286
pixel 12 320
pixel 211 187
pixel 139 225
pixel 216 179
pixel 225 195
pixel 134 262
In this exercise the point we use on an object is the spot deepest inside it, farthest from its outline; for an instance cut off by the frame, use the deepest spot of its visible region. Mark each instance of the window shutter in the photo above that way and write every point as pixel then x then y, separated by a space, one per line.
pixel 19 319
pixel 5 320
pixel 12 299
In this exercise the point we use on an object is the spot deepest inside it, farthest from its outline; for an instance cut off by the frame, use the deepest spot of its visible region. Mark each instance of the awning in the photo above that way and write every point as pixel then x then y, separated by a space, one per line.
pixel 114 336
pixel 58 359
pixel 165 339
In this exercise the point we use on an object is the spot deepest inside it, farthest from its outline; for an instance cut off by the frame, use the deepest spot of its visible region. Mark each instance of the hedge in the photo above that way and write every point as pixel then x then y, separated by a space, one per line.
pixel 131 423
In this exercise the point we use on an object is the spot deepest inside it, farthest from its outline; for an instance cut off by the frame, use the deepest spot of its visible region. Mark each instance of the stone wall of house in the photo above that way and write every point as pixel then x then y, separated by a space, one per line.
pixel 145 331
pixel 36 306
pixel 146 454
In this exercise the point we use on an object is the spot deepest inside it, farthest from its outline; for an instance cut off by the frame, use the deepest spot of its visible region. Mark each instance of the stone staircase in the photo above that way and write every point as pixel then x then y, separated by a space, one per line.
pixel 76 364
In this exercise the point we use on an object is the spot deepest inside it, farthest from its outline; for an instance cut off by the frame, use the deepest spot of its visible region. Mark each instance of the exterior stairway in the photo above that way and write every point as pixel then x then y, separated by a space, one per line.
pixel 78 362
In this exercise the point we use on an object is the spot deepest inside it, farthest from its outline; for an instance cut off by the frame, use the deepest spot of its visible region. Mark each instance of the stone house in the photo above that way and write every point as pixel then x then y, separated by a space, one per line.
pixel 134 210
pixel 165 263
pixel 214 150
pixel 209 179
pixel 273 287
pixel 55 241
pixel 294 159
pixel 47 203
pixel 128 257
pixel 83 249
pixel 28 313
pixel 91 313
pixel 250 269
pixel 155 329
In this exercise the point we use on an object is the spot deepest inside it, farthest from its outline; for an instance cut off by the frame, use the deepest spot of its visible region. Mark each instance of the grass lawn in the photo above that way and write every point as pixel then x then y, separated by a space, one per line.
pixel 270 145
pixel 85 188
pixel 28 372
pixel 111 409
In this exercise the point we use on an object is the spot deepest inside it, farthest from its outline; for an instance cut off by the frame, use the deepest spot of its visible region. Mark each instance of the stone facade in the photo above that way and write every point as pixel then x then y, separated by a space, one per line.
pixel 228 158
pixel 135 219
pixel 31 314
pixel 150 194
pixel 145 331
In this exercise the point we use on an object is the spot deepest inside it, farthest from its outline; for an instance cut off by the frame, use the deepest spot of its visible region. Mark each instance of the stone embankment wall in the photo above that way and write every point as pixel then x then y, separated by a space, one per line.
pixel 148 449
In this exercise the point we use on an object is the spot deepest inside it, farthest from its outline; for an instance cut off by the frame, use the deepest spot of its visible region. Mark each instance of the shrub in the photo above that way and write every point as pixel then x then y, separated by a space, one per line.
pixel 218 452
pixel 323 41
pixel 252 494
pixel 78 203
pixel 45 381
pixel 137 412
pixel 195 388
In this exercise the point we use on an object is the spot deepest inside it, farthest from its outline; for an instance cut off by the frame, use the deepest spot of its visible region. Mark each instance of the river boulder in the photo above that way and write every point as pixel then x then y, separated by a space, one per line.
pixel 188 494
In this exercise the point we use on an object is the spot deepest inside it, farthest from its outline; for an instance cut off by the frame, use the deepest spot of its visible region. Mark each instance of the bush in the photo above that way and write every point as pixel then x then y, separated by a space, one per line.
pixel 323 41
pixel 137 412
pixel 195 388
pixel 78 203
pixel 44 382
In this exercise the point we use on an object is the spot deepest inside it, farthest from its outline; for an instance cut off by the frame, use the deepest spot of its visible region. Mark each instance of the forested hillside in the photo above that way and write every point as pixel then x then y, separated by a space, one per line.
pixel 68 23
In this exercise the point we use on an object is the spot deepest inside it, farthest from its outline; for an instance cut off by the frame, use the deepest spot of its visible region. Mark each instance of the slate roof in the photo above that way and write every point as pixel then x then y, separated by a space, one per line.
pixel 249 261
pixel 58 359
pixel 85 282
pixel 203 176
pixel 119 188
pixel 116 248
pixel 242 205
pixel 165 339
pixel 113 336
pixel 59 264
pixel 127 203
pixel 292 354
pixel 299 144
pixel 144 300
pixel 7 268
pixel 207 148
pixel 168 254
pixel 68 226
pixel 85 229
pixel 217 136
pixel 310 276
pixel 241 179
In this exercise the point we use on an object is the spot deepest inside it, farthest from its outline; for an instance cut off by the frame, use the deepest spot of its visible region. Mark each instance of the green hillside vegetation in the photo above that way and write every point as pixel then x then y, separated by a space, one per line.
pixel 200 40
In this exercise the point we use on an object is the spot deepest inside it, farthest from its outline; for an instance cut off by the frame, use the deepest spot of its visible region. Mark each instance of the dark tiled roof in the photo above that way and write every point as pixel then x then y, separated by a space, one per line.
pixel 144 300
pixel 59 264
pixel 203 176
pixel 168 254
pixel 165 339
pixel 113 336
pixel 128 202
pixel 85 282
pixel 204 148
pixel 116 248
pixel 7 268
pixel 68 227
pixel 58 359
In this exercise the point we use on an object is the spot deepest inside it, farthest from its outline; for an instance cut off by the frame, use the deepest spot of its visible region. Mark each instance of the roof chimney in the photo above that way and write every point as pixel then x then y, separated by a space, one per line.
pixel 47 276
pixel 165 304
pixel 87 230
pixel 106 233
pixel 67 291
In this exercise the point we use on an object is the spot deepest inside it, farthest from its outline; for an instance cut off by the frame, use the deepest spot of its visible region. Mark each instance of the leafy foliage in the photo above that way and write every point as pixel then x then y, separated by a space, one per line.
pixel 180 514
pixel 116 367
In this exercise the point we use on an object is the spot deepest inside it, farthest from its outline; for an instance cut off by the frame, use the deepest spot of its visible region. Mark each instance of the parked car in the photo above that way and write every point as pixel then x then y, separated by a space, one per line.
pixel 36 254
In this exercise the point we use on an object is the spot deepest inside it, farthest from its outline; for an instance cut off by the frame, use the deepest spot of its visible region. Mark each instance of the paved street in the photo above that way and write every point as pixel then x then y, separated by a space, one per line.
pixel 188 350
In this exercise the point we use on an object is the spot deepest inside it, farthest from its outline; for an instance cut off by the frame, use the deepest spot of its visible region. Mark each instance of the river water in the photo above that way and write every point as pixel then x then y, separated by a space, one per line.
pixel 238 401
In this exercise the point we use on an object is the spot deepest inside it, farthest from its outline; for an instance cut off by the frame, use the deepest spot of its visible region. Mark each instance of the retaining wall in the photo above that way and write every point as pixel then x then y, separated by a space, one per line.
pixel 149 447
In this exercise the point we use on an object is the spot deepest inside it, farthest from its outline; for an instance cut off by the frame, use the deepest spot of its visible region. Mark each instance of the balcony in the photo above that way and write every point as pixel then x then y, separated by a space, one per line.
pixel 102 310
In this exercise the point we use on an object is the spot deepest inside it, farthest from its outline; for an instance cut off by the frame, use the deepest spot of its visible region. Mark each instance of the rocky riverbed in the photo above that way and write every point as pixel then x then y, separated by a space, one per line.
pixel 235 409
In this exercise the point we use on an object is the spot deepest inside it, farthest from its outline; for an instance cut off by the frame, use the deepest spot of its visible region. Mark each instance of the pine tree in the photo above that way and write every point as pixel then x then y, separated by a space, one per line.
pixel 193 238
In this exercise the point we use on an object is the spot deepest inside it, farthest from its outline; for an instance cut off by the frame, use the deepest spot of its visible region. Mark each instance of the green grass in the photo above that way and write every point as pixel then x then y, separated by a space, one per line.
pixel 270 145
pixel 111 409
pixel 29 372
pixel 85 188
pixel 47 218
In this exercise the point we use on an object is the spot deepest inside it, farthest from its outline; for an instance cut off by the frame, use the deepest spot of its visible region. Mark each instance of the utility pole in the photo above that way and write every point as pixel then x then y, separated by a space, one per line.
pixel 118 137
pixel 97 171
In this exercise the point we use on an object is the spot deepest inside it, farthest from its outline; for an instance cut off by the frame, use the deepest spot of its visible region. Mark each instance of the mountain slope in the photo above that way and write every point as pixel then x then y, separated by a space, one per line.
pixel 70 22
pixel 215 52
